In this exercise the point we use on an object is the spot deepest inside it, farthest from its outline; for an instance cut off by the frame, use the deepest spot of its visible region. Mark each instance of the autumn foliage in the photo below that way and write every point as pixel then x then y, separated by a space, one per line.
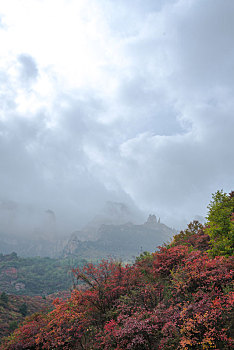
pixel 180 297
pixel 176 298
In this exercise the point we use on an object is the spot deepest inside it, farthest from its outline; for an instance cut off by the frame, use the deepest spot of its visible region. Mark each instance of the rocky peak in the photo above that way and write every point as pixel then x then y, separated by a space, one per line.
pixel 152 220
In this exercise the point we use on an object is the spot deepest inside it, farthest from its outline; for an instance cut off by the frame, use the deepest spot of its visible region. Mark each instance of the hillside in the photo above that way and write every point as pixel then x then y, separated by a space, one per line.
pixel 176 298
pixel 36 276
pixel 14 309
pixel 179 297
pixel 44 275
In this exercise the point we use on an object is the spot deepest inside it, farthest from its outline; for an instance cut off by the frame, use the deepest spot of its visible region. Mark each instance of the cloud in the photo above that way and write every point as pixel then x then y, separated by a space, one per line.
pixel 185 54
pixel 2 22
pixel 28 67
pixel 110 101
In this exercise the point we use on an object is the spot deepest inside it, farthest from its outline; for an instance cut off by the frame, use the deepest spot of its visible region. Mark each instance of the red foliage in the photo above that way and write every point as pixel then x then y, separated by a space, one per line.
pixel 25 336
pixel 173 299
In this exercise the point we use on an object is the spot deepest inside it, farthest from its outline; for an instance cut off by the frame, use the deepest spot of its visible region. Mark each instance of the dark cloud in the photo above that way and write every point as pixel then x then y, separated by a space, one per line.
pixel 44 167
pixel 160 139
pixel 197 77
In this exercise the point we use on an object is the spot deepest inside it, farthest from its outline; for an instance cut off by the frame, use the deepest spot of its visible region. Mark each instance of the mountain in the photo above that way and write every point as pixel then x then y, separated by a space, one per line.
pixel 113 213
pixel 32 233
pixel 115 231
pixel 119 240
pixel 30 246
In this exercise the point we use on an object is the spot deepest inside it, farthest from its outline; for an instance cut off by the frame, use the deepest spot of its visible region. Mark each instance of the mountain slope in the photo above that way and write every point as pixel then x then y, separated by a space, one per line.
pixel 120 241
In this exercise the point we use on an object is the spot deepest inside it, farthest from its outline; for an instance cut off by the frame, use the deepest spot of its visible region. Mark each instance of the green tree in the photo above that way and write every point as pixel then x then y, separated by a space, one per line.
pixel 4 298
pixel 23 309
pixel 220 223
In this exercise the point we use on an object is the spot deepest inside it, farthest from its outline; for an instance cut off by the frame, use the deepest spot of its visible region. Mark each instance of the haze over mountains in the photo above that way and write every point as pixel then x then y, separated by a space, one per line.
pixel 120 241
pixel 117 230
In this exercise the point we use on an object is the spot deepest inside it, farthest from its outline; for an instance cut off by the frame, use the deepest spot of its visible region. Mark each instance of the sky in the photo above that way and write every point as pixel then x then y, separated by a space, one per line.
pixel 115 100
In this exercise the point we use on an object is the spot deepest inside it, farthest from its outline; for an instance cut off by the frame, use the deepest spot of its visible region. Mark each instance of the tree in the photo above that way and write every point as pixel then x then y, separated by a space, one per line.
pixel 23 309
pixel 192 236
pixel 220 223
pixel 4 298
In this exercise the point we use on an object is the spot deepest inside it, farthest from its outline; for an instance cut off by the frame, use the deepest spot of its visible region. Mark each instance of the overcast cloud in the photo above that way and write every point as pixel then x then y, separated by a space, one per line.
pixel 128 101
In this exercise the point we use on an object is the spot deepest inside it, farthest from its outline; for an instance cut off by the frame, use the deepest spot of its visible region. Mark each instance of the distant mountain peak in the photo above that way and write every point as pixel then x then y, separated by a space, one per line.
pixel 120 240
pixel 152 220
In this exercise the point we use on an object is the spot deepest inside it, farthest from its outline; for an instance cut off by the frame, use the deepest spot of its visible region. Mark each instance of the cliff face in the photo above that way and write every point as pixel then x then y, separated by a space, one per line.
pixel 120 241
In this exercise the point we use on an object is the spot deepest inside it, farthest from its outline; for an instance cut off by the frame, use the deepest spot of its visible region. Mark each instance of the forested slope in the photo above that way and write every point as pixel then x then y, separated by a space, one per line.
pixel 14 308
pixel 36 275
pixel 180 297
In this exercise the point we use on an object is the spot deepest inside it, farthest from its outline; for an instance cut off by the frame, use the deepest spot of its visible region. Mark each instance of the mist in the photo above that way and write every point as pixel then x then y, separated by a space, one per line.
pixel 104 101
